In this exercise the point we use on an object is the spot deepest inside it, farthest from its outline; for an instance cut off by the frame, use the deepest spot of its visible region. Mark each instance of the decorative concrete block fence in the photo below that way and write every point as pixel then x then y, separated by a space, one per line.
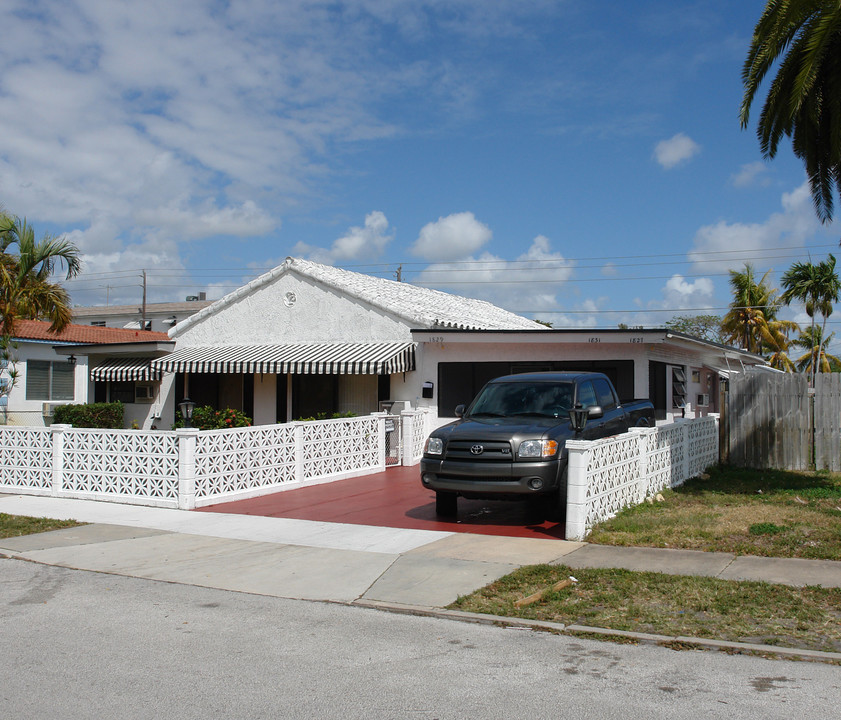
pixel 607 475
pixel 191 468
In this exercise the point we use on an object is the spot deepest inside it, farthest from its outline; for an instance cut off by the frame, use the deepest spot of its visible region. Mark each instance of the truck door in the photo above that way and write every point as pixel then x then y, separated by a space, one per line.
pixel 614 421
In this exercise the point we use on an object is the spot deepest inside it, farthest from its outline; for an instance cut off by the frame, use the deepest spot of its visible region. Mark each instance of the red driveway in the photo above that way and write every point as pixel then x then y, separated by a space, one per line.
pixel 393 498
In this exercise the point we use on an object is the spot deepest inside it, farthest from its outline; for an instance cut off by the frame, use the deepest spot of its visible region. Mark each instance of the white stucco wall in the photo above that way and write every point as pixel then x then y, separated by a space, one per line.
pixel 269 315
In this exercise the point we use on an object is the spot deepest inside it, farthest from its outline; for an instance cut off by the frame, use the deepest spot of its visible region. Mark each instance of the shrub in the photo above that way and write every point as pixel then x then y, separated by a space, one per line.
pixel 324 416
pixel 207 418
pixel 93 415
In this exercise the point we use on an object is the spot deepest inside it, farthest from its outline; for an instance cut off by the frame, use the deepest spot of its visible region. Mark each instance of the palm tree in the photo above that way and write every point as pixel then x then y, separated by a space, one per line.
pixel 26 287
pixel 817 287
pixel 775 341
pixel 754 304
pixel 816 358
pixel 803 99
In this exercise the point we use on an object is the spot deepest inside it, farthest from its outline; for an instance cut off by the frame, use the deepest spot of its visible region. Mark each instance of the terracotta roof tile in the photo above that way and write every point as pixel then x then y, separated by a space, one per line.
pixel 90 334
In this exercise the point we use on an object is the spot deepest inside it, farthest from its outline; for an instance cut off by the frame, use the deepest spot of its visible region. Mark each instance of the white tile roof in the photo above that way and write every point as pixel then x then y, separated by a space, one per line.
pixel 419 307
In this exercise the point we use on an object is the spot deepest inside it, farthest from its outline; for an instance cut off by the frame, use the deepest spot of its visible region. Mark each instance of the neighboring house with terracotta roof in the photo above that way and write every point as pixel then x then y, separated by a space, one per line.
pixel 83 363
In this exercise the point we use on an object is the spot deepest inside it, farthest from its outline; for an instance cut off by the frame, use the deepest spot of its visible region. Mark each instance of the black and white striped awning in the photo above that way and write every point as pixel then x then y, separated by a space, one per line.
pixel 118 369
pixel 299 359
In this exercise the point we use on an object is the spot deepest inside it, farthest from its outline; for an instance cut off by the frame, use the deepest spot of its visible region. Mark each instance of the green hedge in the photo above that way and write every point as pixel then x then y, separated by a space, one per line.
pixel 207 418
pixel 92 415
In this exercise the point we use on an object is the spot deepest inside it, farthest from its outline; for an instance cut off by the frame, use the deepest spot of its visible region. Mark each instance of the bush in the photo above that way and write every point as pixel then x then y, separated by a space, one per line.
pixel 207 418
pixel 324 416
pixel 93 415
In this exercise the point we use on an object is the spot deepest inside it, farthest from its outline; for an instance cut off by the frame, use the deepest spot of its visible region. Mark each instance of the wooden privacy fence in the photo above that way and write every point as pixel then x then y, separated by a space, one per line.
pixel 773 420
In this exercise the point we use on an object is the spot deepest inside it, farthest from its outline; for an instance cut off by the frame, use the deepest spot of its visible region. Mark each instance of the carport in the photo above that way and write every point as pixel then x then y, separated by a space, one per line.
pixel 393 498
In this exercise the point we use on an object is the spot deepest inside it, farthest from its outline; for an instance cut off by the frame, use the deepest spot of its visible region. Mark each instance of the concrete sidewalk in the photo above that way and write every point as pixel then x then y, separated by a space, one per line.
pixel 336 562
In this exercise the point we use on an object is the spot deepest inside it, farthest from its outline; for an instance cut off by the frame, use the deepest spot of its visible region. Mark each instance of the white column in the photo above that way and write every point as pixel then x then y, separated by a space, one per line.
pixel 380 439
pixel 187 467
pixel 408 420
pixel 57 432
pixel 298 435
pixel 576 515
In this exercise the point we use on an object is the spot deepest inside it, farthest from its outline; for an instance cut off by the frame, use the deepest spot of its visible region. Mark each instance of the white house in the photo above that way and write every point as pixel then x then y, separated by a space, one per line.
pixel 159 317
pixel 306 338
pixel 83 364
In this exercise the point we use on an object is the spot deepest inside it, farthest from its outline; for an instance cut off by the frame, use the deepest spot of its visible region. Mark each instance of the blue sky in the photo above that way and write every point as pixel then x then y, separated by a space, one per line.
pixel 578 162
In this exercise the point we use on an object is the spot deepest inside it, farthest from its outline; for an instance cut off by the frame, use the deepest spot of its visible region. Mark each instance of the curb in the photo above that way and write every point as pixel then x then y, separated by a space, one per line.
pixel 677 641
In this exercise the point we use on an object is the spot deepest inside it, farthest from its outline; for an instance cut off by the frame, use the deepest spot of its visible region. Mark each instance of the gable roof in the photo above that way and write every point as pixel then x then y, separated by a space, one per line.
pixel 85 334
pixel 419 307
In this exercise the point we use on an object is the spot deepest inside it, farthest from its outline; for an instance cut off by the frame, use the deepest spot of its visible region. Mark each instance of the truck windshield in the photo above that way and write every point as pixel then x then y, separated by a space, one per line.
pixel 521 398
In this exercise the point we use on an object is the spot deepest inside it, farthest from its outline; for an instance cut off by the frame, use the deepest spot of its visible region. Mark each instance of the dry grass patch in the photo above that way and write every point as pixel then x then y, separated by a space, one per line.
pixel 752 512
pixel 16 525
pixel 674 605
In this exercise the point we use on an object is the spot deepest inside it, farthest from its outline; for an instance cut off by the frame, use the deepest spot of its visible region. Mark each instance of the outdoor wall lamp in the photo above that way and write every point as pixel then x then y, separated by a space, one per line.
pixel 186 406
pixel 578 418
pixel 72 360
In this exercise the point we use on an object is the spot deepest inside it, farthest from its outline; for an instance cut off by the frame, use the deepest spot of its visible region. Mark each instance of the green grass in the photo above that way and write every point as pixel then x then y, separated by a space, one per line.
pixel 672 605
pixel 772 513
pixel 16 525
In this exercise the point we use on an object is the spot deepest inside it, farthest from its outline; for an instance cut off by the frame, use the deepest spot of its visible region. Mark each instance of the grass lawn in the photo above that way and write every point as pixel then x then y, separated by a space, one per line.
pixel 15 525
pixel 671 605
pixel 773 513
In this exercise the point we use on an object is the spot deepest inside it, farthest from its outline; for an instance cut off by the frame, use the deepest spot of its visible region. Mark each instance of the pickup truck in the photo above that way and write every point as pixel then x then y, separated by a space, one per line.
pixel 510 444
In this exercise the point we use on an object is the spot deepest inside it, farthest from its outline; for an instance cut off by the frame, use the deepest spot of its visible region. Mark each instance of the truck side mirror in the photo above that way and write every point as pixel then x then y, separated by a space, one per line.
pixel 460 410
pixel 595 411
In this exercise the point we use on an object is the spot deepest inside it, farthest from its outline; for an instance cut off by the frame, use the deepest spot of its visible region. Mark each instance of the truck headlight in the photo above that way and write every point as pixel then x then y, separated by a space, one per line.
pixel 537 449
pixel 433 446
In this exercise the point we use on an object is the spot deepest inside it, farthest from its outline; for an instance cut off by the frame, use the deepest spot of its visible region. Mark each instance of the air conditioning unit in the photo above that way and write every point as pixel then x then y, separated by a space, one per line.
pixel 144 393
pixel 703 400
pixel 394 407
pixel 48 409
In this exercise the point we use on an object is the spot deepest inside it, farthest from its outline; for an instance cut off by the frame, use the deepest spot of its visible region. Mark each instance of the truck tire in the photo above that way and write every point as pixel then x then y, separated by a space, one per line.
pixel 446 504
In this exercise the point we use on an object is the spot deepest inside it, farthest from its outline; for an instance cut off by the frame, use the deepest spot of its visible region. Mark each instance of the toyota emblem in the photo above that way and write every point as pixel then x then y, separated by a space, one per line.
pixel 477 449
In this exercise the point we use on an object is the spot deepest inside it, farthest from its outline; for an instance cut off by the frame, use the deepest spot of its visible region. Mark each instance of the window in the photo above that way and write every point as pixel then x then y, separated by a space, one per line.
pixel 605 393
pixel 47 380
pixel 122 391
pixel 586 395
pixel 98 323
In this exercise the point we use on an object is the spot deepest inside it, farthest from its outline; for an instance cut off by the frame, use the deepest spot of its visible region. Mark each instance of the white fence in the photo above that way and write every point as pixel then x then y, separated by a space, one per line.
pixel 191 468
pixel 607 475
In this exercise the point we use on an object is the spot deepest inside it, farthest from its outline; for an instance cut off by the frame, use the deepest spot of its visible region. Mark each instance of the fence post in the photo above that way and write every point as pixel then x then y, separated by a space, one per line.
pixel 298 437
pixel 381 437
pixel 408 418
pixel 577 461
pixel 642 435
pixel 186 467
pixel 57 433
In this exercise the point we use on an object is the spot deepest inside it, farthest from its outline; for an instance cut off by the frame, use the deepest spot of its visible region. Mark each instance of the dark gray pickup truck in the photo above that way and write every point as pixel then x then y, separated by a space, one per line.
pixel 510 442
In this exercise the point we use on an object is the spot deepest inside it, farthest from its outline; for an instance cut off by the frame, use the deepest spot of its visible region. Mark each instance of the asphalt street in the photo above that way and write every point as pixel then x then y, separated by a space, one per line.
pixel 93 645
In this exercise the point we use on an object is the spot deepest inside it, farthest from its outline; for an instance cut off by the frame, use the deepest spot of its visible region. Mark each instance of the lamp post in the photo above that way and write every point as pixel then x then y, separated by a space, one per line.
pixel 186 406
pixel 578 418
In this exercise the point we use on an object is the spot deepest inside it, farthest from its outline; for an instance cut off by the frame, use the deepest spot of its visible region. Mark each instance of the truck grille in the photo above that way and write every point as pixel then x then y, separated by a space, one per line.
pixel 479 451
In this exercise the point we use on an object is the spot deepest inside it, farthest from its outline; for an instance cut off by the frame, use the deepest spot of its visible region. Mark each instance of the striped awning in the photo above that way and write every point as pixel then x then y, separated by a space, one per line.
pixel 118 369
pixel 299 359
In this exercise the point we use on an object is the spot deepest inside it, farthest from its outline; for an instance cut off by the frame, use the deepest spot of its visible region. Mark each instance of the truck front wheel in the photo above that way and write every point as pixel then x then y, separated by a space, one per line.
pixel 446 504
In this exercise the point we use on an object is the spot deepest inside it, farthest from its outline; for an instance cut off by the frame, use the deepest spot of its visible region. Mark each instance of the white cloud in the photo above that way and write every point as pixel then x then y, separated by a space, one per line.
pixel 452 237
pixel 725 246
pixel 528 284
pixel 750 174
pixel 681 294
pixel 357 243
pixel 676 150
